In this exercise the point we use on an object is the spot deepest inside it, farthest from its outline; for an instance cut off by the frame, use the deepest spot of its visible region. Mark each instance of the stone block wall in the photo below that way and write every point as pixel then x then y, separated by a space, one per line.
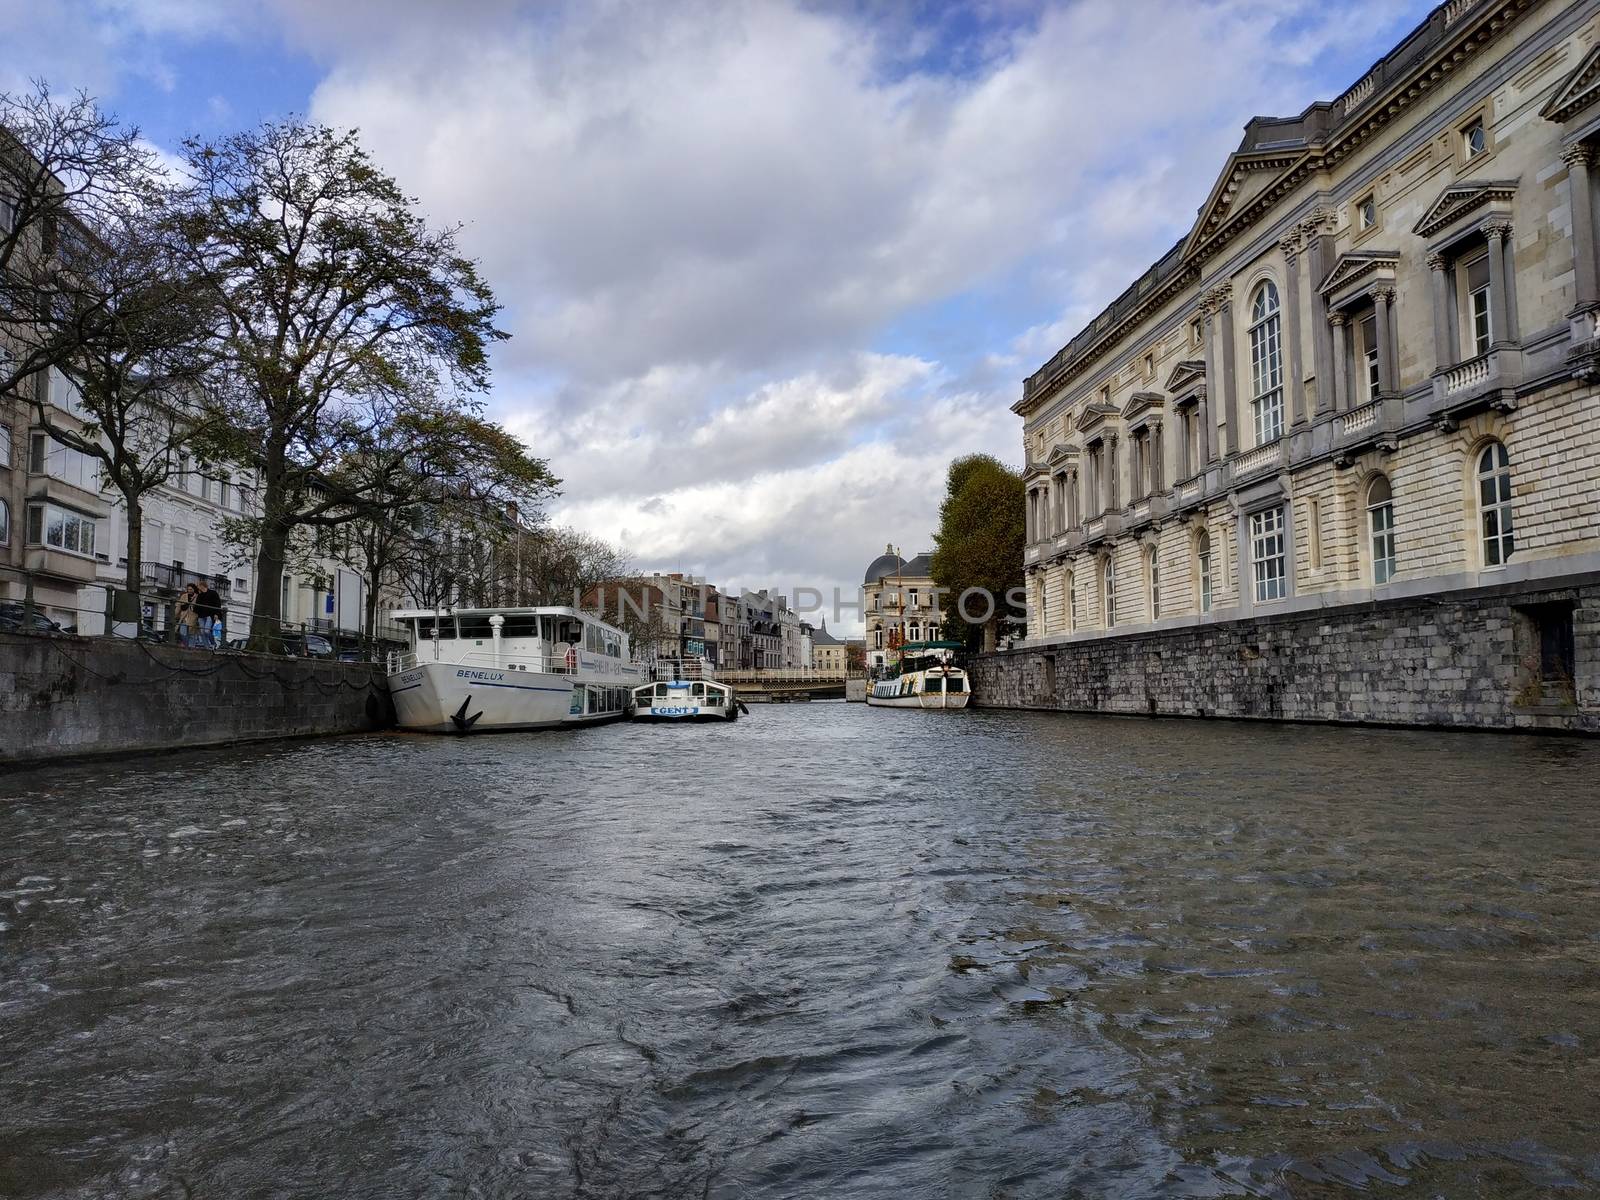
pixel 68 696
pixel 1464 660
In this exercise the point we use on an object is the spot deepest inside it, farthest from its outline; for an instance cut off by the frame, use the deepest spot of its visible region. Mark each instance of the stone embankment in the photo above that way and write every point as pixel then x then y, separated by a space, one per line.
pixel 1498 658
pixel 74 696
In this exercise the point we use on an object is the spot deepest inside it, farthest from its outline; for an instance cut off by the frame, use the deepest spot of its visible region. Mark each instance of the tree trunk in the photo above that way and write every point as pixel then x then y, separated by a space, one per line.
pixel 133 578
pixel 267 612
pixel 990 632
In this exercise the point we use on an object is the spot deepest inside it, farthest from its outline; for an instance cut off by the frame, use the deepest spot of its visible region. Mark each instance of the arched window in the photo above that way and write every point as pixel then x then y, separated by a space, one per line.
pixel 1155 586
pixel 1380 524
pixel 1266 364
pixel 1494 504
pixel 1111 594
pixel 1202 549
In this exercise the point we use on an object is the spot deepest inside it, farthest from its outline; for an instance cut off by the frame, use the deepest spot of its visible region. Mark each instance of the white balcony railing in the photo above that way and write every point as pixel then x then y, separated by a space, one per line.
pixel 1262 458
pixel 1360 419
pixel 1466 375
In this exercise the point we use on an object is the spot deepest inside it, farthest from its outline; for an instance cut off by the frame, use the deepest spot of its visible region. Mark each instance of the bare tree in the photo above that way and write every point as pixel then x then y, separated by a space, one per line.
pixel 339 306
pixel 66 168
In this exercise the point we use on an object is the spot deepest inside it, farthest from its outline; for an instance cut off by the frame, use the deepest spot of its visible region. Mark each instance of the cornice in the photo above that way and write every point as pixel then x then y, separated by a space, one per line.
pixel 1459 199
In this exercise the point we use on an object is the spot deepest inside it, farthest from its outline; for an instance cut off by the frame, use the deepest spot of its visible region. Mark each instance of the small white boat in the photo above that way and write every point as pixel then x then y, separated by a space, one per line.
pixel 473 670
pixel 928 678
pixel 685 691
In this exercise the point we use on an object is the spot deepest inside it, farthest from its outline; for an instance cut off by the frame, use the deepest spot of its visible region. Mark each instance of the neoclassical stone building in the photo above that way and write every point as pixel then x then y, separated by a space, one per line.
pixel 1363 384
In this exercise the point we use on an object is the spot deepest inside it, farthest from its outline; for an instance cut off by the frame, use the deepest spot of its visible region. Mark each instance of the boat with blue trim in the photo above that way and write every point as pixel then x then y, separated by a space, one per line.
pixel 683 690
pixel 472 670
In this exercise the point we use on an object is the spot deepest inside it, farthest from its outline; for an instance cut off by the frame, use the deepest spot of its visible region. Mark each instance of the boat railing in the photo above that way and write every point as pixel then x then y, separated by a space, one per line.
pixel 505 660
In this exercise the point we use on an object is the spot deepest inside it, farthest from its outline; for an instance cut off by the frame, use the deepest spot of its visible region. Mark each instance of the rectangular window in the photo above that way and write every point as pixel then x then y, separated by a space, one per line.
pixel 1480 328
pixel 1369 352
pixel 61 528
pixel 1474 139
pixel 1314 524
pixel 1382 543
pixel 5 445
pixel 1366 213
pixel 1267 555
pixel 8 214
pixel 1149 366
pixel 64 394
pixel 49 457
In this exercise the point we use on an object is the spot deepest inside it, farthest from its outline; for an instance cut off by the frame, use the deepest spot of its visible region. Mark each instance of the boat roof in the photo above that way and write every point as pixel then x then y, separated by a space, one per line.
pixel 931 646
pixel 508 610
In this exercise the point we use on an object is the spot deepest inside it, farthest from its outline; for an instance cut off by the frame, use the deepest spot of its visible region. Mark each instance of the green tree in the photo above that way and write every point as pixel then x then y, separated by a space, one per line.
pixel 979 545
pixel 339 310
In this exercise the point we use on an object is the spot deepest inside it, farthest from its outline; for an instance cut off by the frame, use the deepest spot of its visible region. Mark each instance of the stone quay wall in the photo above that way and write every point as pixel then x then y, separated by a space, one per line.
pixel 1470 660
pixel 74 696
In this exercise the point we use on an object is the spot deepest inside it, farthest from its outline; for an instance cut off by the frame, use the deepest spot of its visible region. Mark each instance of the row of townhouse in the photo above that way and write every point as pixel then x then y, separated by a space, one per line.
pixel 686 617
pixel 64 535
pixel 1368 372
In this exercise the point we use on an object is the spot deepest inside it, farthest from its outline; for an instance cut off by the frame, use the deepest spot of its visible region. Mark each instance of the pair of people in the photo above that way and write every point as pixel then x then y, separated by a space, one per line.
pixel 199 615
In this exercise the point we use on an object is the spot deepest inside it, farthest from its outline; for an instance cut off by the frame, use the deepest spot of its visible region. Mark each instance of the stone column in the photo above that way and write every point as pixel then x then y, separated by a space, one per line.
pixel 1443 354
pixel 1336 320
pixel 1112 493
pixel 1578 159
pixel 1498 234
pixel 1321 253
pixel 1230 388
pixel 1208 412
pixel 1382 298
pixel 1156 448
pixel 1204 436
pixel 1297 382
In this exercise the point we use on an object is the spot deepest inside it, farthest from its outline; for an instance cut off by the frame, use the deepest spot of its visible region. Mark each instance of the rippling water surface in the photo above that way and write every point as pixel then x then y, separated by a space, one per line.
pixel 828 951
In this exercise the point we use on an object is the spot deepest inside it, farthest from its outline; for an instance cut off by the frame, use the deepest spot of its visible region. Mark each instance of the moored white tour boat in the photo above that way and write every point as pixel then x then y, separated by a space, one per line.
pixel 472 670
pixel 928 678
pixel 685 692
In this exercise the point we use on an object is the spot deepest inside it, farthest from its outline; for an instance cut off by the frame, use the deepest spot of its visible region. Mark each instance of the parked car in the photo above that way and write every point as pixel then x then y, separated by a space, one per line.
pixel 16 619
pixel 305 645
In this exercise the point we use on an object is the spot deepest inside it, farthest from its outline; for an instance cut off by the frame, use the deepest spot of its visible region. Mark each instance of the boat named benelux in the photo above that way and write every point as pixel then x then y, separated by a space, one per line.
pixel 684 691
pixel 471 670
pixel 927 678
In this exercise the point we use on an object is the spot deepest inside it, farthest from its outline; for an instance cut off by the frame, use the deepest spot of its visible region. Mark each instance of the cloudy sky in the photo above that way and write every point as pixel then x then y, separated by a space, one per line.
pixel 767 265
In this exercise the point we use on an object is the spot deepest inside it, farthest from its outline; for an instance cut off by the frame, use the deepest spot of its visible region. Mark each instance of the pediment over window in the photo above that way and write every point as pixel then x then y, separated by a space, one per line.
pixel 1094 415
pixel 1471 197
pixel 1186 375
pixel 1579 90
pixel 1141 405
pixel 1062 454
pixel 1035 469
pixel 1356 273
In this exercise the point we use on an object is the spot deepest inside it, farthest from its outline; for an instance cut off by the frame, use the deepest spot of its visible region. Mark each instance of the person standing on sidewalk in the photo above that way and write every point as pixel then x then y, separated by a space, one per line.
pixel 187 616
pixel 209 607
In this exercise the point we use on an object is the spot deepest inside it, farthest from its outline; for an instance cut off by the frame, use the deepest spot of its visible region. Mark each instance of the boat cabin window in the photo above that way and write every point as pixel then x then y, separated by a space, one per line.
pixel 425 627
pixel 954 683
pixel 591 641
pixel 568 630
pixel 520 625
pixel 475 625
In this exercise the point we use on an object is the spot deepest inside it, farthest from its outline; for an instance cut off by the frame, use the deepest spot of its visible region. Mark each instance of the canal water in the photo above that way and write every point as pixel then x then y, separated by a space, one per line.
pixel 825 952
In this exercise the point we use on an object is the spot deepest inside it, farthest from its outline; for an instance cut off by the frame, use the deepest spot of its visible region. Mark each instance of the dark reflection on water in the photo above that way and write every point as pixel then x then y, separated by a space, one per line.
pixel 829 951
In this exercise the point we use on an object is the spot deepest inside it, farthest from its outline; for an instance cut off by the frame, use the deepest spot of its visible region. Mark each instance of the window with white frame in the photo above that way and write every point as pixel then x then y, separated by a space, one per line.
pixel 1474 139
pixel 5 445
pixel 1155 586
pixel 1266 363
pixel 1110 593
pixel 46 456
pixel 61 528
pixel 5 523
pixel 1366 212
pixel 1494 505
pixel 1369 353
pixel 1203 564
pixel 1380 524
pixel 8 213
pixel 1268 556
pixel 1475 283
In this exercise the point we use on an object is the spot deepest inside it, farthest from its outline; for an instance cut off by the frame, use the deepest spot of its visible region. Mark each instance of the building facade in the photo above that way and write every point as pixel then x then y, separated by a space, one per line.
pixel 900 604
pixel 1367 374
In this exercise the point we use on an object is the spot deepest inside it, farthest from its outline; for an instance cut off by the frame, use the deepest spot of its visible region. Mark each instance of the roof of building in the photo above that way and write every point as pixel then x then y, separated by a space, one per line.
pixel 886 563
pixel 920 567
pixel 821 636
